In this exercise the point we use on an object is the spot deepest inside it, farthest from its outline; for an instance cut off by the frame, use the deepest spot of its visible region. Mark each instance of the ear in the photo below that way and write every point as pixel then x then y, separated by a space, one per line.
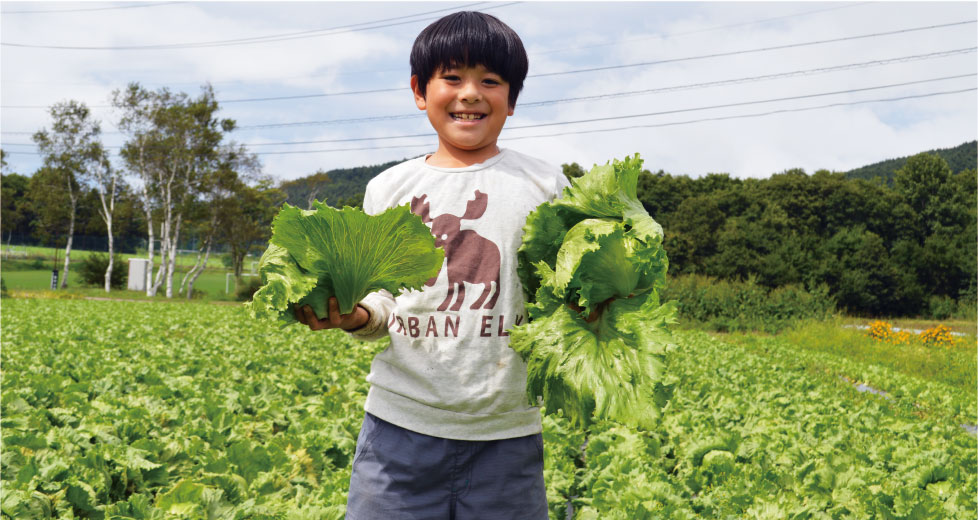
pixel 418 96
pixel 512 108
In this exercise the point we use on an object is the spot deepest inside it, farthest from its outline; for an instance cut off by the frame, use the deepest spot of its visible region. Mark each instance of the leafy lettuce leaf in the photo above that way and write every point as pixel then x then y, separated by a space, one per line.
pixel 283 282
pixel 596 248
pixel 602 259
pixel 606 194
pixel 613 368
pixel 323 252
pixel 611 191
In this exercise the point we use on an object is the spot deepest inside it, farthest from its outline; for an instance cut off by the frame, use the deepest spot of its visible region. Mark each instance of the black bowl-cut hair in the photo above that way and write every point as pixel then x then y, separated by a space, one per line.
pixel 468 39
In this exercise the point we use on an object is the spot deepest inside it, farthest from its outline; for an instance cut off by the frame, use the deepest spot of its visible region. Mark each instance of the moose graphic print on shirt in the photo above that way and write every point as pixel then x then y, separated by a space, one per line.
pixel 469 256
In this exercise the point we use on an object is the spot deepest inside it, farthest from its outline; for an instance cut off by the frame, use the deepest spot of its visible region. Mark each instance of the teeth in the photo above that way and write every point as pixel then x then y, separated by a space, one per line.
pixel 467 117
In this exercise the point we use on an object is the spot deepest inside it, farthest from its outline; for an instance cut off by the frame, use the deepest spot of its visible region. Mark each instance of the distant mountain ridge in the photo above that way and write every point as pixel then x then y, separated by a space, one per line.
pixel 959 158
pixel 345 186
pixel 340 187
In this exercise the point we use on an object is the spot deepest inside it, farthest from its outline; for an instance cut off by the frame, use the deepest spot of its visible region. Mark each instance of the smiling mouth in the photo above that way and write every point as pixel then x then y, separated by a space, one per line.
pixel 467 117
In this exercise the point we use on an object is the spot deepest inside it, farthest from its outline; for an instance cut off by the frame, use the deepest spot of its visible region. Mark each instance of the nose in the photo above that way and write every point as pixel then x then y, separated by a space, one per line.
pixel 469 92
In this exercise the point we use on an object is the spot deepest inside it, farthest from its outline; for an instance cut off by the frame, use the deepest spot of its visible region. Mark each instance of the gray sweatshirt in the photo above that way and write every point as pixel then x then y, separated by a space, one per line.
pixel 449 371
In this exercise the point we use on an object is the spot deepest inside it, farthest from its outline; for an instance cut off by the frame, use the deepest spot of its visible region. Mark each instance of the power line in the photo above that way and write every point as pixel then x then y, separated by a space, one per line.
pixel 610 118
pixel 698 31
pixel 306 96
pixel 540 53
pixel 657 125
pixel 330 31
pixel 744 103
pixel 742 116
pixel 576 71
pixel 674 123
pixel 616 118
pixel 612 95
pixel 750 51
pixel 674 88
pixel 632 116
pixel 134 6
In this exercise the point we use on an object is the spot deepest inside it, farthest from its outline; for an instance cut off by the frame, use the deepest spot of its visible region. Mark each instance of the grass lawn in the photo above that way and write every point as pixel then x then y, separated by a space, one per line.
pixel 28 268
pixel 950 365
pixel 208 287
pixel 15 254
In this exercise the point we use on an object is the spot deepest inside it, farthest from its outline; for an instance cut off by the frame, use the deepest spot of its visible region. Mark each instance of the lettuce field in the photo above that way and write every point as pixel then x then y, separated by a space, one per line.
pixel 151 410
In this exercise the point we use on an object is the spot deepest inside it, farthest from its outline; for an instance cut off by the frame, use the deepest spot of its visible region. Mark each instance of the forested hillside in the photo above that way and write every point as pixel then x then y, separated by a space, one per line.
pixel 879 250
pixel 346 185
pixel 959 158
pixel 341 187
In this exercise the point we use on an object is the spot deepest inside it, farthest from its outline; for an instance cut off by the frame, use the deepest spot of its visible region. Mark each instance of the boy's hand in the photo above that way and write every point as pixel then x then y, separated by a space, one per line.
pixel 595 314
pixel 354 320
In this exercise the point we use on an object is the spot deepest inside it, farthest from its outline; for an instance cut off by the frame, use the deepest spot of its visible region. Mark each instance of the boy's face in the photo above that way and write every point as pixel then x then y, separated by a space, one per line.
pixel 467 106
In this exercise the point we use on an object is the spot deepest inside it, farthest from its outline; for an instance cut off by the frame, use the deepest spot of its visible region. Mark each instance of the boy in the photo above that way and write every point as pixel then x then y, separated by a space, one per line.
pixel 448 432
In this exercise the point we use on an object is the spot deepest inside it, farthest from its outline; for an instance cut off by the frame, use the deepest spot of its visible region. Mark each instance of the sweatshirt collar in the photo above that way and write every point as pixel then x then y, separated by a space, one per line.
pixel 471 168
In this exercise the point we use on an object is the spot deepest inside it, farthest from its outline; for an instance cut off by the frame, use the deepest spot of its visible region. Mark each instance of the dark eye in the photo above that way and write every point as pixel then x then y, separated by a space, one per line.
pixel 450 77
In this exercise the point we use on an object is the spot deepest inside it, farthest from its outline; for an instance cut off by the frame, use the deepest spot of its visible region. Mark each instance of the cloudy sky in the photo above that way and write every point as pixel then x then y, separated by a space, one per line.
pixel 749 89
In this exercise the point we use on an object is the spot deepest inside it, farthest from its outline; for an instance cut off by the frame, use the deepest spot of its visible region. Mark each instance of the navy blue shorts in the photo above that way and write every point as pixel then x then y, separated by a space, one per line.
pixel 400 474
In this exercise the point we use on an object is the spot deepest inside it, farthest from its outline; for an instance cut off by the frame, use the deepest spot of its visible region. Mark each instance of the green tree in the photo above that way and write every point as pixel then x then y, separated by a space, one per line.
pixel 72 150
pixel 247 217
pixel 572 170
pixel 856 266
pixel 173 143
pixel 49 205
pixel 691 239
pixel 217 215
pixel 924 183
pixel 136 106
pixel 15 215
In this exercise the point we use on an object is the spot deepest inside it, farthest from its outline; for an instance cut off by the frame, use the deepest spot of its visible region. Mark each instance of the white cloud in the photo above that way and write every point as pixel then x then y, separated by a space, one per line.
pixel 836 138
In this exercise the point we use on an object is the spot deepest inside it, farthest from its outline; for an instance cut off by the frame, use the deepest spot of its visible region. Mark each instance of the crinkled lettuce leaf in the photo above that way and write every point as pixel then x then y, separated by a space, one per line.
pixel 598 249
pixel 607 193
pixel 614 368
pixel 611 191
pixel 283 282
pixel 323 252
pixel 602 259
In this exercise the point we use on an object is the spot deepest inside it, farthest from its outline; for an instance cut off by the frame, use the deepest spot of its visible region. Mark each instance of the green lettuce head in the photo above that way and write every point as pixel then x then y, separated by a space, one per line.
pixel 595 242
pixel 323 252
pixel 596 248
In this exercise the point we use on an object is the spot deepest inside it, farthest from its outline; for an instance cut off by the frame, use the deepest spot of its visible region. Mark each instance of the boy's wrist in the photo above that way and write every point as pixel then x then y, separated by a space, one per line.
pixel 366 320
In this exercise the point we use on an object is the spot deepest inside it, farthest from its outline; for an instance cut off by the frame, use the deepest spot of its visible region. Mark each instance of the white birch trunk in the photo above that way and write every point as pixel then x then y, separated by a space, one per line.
pixel 108 270
pixel 195 271
pixel 148 209
pixel 164 248
pixel 207 255
pixel 191 271
pixel 149 255
pixel 71 236
pixel 108 209
pixel 166 240
pixel 174 242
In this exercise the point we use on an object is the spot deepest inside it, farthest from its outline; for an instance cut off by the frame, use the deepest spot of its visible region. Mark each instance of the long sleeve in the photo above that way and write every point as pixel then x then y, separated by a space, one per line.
pixel 379 305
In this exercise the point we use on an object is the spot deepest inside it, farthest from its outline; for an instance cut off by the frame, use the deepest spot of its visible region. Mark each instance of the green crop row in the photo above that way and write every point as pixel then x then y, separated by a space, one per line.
pixel 141 410
pixel 126 410
pixel 767 431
